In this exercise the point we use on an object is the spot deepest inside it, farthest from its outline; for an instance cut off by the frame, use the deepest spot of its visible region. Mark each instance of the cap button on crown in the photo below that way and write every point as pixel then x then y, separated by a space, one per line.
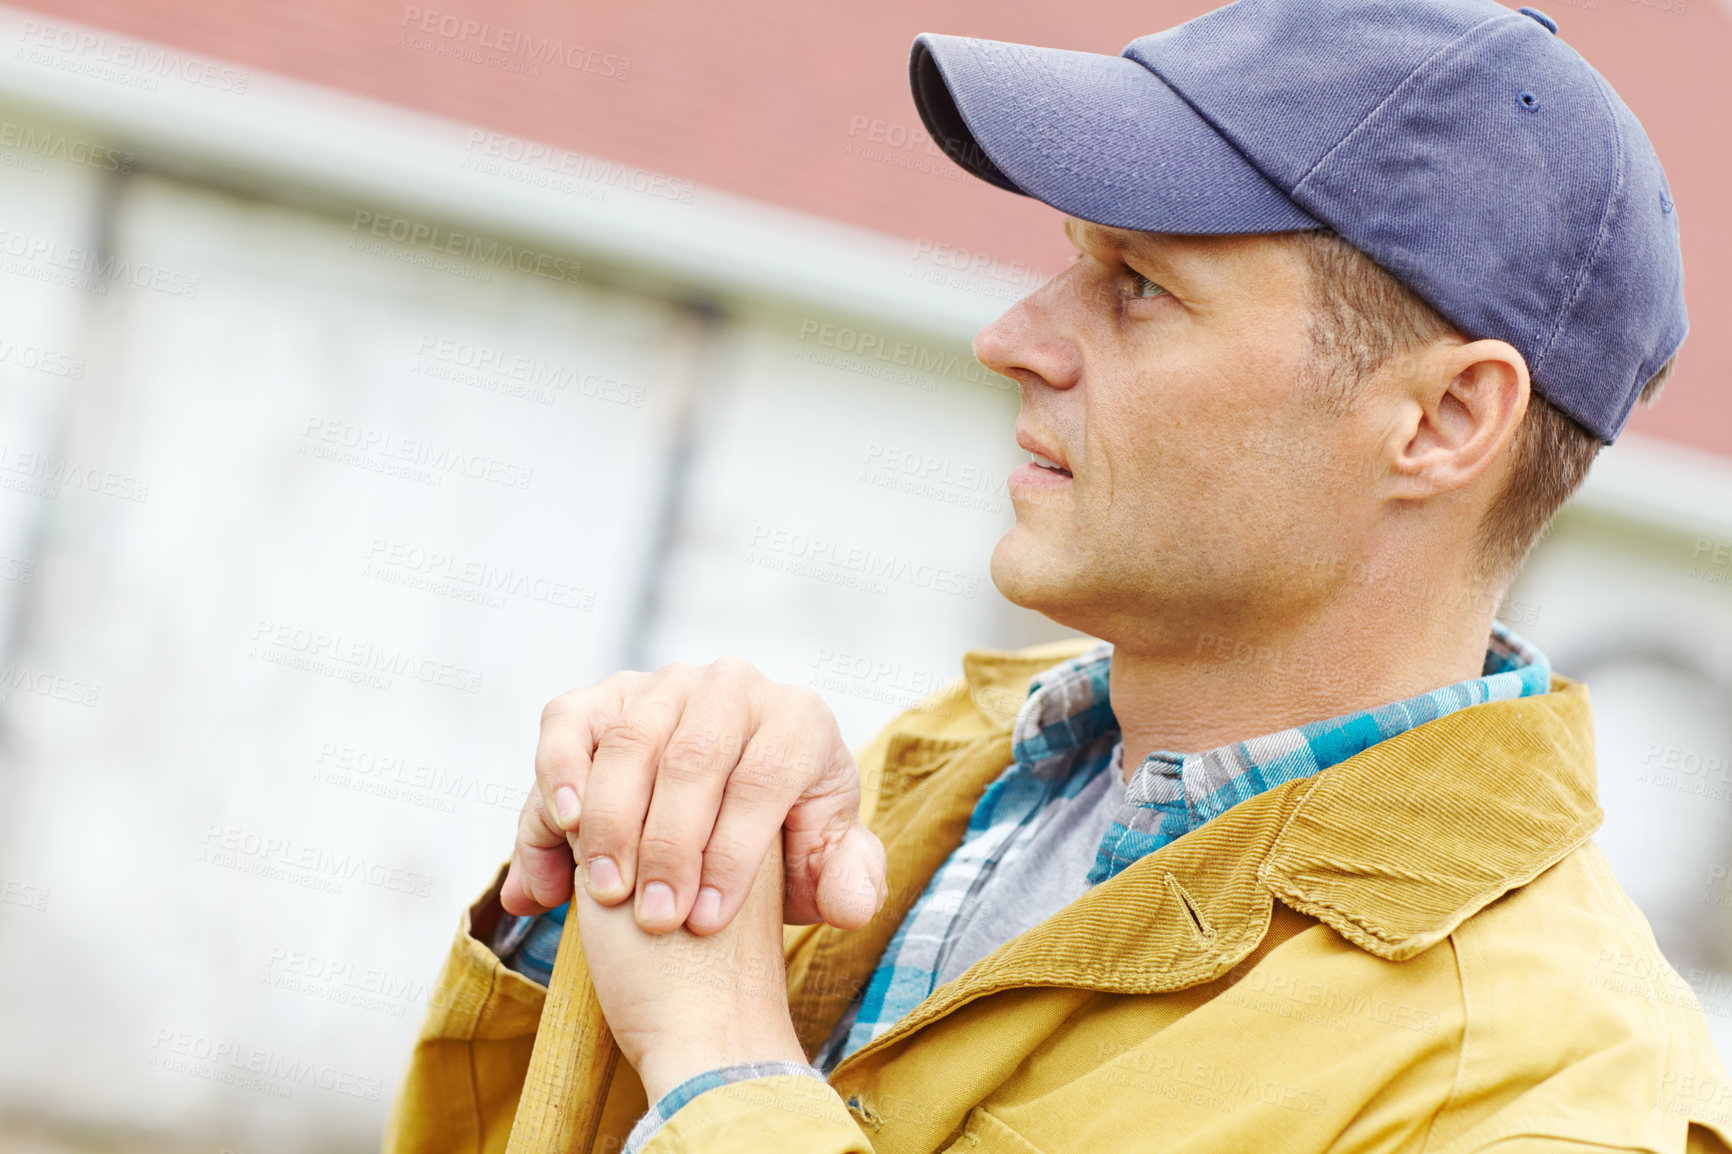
pixel 1541 18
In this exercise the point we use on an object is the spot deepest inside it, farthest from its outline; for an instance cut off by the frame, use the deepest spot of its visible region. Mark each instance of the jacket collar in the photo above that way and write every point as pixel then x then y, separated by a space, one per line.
pixel 1392 848
pixel 1406 840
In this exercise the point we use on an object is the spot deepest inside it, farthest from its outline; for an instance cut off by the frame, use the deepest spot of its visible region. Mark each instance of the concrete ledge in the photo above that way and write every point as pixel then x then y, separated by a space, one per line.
pixel 175 110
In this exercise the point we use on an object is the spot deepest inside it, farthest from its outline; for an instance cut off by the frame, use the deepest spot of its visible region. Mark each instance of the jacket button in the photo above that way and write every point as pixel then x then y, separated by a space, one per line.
pixel 857 1106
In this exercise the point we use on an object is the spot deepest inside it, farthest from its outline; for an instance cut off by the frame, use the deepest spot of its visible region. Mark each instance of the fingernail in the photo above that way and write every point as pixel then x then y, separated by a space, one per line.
pixel 656 903
pixel 604 880
pixel 707 910
pixel 566 807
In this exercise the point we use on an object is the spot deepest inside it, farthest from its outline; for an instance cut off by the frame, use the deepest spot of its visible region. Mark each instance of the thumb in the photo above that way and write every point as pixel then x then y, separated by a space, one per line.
pixel 851 881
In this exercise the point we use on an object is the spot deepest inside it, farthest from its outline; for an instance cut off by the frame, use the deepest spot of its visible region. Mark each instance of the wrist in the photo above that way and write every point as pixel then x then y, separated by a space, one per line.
pixel 671 1062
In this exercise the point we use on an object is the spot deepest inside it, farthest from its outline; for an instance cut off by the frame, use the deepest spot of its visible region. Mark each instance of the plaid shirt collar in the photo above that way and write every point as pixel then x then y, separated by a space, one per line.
pixel 1065 734
pixel 1068 712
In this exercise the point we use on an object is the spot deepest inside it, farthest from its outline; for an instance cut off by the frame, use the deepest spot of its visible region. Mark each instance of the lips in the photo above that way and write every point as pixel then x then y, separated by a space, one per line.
pixel 1042 455
pixel 1049 464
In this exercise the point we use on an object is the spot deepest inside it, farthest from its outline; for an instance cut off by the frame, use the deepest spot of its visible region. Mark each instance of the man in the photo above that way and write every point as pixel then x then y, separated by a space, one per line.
pixel 1294 857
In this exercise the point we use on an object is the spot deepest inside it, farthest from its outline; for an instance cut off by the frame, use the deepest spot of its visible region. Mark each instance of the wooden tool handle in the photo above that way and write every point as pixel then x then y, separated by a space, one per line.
pixel 572 1064
pixel 575 1054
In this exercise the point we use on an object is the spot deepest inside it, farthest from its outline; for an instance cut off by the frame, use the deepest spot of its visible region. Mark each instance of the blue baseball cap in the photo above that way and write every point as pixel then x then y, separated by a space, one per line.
pixel 1462 146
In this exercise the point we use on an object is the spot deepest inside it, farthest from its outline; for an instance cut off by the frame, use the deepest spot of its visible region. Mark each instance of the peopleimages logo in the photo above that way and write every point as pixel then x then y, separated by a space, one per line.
pixel 977 272
pixel 438 571
pixel 254 1067
pixel 875 678
pixel 138 65
pixel 85 269
pixel 344 982
pixel 43 144
pixel 395 777
pixel 36 359
pixel 351 659
pixel 17 678
pixel 933 477
pixel 850 566
pixel 414 458
pixel 490 368
pixel 531 162
pixel 38 474
pixel 866 347
pixel 309 866
pixel 432 239
pixel 523 51
pixel 17 893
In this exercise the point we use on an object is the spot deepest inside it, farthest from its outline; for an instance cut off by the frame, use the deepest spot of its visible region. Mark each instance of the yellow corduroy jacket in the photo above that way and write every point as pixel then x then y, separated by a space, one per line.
pixel 1418 949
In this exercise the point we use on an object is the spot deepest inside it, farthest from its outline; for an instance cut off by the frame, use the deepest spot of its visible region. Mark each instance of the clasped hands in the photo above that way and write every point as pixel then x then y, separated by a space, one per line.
pixel 723 804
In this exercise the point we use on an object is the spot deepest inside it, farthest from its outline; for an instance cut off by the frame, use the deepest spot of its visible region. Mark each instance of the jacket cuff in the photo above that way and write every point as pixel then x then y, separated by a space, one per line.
pixel 652 1122
pixel 774 1115
pixel 530 945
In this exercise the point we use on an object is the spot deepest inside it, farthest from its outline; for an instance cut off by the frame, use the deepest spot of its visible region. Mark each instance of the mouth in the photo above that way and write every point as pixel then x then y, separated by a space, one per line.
pixel 1042 455
pixel 1046 474
pixel 1048 464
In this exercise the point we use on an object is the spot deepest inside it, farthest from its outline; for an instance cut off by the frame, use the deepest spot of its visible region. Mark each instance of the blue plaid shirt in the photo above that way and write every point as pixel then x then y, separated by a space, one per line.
pixel 1064 736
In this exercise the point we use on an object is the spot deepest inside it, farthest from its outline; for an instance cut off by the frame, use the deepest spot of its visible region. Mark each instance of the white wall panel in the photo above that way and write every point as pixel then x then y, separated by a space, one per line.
pixel 254 826
pixel 843 510
pixel 206 755
pixel 49 279
pixel 1647 627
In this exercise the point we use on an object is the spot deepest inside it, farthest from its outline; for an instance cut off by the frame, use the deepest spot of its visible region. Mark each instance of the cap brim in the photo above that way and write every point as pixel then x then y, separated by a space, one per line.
pixel 1098 137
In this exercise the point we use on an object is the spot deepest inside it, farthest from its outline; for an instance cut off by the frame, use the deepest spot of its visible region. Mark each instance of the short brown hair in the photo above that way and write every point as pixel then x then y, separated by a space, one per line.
pixel 1362 316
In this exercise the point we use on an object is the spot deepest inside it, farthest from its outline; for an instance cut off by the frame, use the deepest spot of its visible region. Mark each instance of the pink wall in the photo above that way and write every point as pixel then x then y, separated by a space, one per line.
pixel 777 101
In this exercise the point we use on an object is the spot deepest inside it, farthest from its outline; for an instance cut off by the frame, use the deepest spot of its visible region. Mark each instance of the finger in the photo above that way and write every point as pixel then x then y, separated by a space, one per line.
pixel 539 877
pixel 773 770
pixel 851 883
pixel 835 865
pixel 621 779
pixel 513 898
pixel 690 781
pixel 569 725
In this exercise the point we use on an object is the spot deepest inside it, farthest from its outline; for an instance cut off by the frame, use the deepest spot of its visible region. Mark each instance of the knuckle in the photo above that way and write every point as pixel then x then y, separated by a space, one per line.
pixel 760 776
pixel 676 672
pixel 804 705
pixel 619 686
pixel 728 860
pixel 535 833
pixel 785 756
pixel 602 833
pixel 813 703
pixel 663 848
pixel 734 666
pixel 566 703
pixel 631 733
pixel 691 759
pixel 550 763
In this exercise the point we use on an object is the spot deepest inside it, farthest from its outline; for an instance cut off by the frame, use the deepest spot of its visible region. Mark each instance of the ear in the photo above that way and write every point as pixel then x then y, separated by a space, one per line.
pixel 1464 409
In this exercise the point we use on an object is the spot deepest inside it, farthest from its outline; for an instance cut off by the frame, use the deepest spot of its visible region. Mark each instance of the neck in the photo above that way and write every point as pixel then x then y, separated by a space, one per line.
pixel 1204 690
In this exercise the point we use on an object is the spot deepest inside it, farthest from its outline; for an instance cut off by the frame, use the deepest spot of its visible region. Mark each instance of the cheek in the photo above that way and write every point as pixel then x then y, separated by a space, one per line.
pixel 1167 425
pixel 1145 489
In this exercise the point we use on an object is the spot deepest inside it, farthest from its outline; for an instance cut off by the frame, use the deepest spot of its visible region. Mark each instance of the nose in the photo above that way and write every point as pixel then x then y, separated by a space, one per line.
pixel 1029 342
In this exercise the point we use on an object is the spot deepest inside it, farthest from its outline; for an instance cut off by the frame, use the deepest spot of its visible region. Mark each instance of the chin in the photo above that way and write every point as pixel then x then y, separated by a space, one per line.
pixel 1029 572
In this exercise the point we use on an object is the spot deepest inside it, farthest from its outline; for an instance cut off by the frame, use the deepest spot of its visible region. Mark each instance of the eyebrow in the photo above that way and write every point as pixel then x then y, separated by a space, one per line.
pixel 1075 229
pixel 1147 245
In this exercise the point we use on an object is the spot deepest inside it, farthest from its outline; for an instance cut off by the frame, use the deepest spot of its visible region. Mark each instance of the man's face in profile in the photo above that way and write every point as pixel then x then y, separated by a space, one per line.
pixel 1168 376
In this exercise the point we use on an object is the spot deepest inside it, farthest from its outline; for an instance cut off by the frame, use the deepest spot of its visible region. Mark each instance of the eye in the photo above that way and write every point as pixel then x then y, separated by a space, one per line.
pixel 1142 286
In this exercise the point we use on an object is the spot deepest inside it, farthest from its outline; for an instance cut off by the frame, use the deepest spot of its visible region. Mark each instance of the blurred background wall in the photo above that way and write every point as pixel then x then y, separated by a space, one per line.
pixel 370 373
